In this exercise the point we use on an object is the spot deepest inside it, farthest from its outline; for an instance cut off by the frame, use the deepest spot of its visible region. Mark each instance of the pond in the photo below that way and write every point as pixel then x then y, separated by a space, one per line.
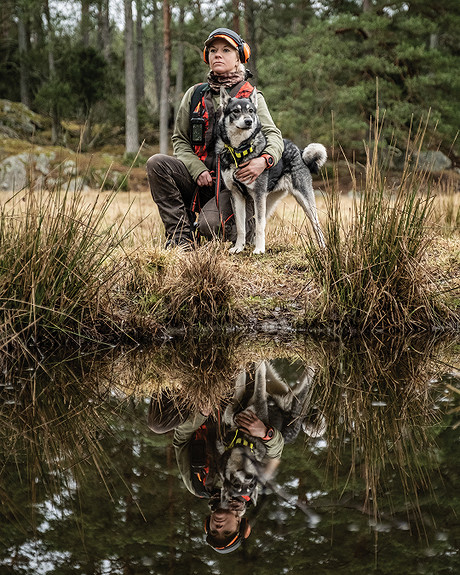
pixel 129 461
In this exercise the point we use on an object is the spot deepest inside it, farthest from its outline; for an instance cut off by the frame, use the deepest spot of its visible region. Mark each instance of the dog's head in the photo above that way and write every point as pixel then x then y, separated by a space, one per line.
pixel 240 475
pixel 239 113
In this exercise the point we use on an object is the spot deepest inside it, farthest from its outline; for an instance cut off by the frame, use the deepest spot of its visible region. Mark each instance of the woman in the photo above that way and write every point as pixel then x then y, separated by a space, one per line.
pixel 184 185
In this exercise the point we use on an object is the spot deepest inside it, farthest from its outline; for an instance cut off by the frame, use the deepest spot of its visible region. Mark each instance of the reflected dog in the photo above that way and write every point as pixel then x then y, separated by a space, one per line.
pixel 275 404
pixel 243 454
pixel 239 135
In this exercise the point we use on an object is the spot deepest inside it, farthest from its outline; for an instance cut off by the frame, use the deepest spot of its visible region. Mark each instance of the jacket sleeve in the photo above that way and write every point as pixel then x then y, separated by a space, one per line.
pixel 275 445
pixel 182 147
pixel 275 144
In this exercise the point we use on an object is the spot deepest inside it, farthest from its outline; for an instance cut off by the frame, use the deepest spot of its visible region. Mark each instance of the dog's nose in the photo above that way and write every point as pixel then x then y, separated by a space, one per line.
pixel 248 122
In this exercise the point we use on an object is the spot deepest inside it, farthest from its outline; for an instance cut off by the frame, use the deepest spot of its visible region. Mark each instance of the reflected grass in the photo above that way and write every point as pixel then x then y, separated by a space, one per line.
pixel 51 421
pixel 377 398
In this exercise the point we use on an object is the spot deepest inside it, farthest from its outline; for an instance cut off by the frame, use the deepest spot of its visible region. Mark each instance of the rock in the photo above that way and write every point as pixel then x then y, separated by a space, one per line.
pixel 16 119
pixel 75 185
pixel 433 161
pixel 68 168
pixel 36 168
pixel 42 162
pixel 13 172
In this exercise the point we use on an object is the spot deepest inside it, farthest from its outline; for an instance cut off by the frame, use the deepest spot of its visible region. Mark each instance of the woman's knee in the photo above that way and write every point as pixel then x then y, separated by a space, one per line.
pixel 157 163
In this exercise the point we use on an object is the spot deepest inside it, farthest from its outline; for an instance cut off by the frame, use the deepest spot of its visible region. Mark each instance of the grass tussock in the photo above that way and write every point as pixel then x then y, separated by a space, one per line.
pixel 373 274
pixel 57 267
pixel 201 287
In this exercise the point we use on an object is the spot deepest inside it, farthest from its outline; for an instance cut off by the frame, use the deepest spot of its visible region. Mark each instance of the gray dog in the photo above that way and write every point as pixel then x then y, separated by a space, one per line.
pixel 239 135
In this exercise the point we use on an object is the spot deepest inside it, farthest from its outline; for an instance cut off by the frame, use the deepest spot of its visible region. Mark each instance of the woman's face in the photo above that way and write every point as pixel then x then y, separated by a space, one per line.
pixel 223 58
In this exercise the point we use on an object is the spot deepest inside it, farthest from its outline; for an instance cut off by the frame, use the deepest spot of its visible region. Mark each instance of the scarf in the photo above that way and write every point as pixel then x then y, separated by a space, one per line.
pixel 216 81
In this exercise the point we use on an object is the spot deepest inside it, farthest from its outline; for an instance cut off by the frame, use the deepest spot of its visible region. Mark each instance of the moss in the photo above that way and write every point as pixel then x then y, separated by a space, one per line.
pixel 19 118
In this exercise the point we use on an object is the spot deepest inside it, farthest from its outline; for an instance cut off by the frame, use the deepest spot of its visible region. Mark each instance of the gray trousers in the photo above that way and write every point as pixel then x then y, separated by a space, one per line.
pixel 179 200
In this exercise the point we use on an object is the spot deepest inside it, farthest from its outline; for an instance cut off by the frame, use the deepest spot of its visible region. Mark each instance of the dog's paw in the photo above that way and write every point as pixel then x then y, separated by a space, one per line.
pixel 259 251
pixel 236 249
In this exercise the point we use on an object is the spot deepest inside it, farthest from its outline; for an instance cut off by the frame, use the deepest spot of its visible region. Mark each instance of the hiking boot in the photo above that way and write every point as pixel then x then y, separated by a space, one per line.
pixel 185 242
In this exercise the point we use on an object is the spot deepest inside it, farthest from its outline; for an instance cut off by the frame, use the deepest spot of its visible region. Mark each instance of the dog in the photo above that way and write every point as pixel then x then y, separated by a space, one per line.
pixel 239 136
pixel 244 465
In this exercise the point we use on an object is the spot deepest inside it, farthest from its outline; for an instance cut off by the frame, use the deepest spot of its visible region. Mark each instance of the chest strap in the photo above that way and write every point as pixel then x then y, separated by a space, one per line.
pixel 239 153
pixel 239 440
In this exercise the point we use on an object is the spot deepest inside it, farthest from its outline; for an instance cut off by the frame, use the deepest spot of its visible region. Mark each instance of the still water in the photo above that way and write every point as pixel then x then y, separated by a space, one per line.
pixel 130 461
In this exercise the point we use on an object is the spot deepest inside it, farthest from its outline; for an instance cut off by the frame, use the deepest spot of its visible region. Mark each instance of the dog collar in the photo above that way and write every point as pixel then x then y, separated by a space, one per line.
pixel 237 154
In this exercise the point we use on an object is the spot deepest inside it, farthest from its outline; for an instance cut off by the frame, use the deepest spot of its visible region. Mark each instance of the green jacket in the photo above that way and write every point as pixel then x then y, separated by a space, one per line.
pixel 183 149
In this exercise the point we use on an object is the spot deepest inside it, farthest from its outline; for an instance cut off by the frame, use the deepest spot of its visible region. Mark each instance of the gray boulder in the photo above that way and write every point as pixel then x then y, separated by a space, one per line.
pixel 17 120
pixel 13 172
pixel 433 161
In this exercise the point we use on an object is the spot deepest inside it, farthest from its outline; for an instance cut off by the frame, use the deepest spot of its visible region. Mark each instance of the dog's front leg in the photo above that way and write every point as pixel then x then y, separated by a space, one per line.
pixel 239 210
pixel 260 392
pixel 260 214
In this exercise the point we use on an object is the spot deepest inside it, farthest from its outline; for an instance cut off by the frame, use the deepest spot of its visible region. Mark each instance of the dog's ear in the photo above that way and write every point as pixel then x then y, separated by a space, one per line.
pixel 253 97
pixel 224 98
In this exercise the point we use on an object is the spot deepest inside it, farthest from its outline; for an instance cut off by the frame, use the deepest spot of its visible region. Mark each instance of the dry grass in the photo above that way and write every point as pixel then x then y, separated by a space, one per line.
pixel 157 288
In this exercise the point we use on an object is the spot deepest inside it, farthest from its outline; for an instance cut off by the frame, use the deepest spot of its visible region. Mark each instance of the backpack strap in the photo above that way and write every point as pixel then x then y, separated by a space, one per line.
pixel 197 95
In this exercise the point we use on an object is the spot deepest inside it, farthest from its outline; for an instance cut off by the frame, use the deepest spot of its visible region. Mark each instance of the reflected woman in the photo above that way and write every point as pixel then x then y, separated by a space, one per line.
pixel 228 461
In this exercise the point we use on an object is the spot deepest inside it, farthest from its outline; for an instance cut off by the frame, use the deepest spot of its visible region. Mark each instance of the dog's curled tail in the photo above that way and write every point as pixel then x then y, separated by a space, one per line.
pixel 315 156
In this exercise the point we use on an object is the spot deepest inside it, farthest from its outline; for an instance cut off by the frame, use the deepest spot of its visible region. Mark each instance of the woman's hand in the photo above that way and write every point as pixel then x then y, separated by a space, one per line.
pixel 250 171
pixel 248 422
pixel 204 179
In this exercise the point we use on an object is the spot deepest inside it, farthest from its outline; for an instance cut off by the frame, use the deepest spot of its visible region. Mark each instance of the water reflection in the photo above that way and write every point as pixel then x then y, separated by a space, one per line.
pixel 362 476
pixel 229 457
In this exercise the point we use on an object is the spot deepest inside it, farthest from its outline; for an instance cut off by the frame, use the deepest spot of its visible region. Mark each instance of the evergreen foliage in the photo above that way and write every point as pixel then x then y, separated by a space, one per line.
pixel 324 66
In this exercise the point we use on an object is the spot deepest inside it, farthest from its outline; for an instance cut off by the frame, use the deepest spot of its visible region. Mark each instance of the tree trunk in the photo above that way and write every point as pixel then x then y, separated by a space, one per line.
pixel 140 73
pixel 180 63
pixel 165 79
pixel 104 28
pixel 55 122
pixel 250 35
pixel 198 11
pixel 157 57
pixel 23 45
pixel 131 122
pixel 84 24
pixel 236 16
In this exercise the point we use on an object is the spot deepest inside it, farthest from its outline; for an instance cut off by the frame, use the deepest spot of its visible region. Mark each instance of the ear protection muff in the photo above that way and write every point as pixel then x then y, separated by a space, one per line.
pixel 245 528
pixel 244 51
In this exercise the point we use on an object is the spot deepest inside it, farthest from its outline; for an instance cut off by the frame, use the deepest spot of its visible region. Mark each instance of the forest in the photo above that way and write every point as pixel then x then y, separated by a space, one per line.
pixel 118 68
